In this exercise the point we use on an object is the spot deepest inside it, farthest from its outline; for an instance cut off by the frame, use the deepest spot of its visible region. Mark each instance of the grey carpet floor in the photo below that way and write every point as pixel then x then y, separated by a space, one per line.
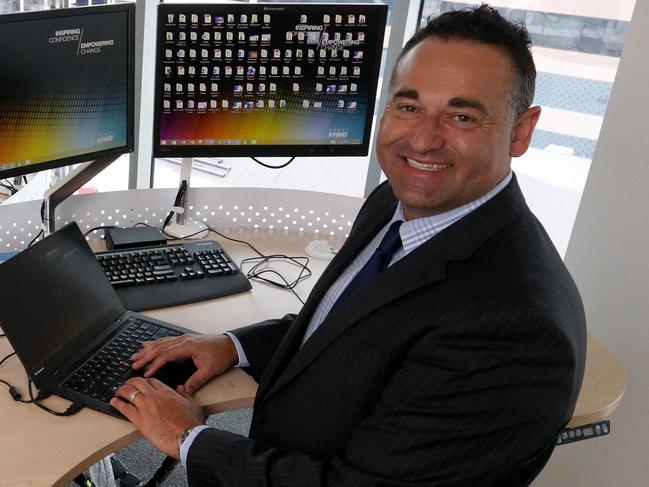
pixel 142 460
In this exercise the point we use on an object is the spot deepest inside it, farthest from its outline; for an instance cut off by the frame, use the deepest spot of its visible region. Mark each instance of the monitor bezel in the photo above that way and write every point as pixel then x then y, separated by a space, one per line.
pixel 267 150
pixel 129 8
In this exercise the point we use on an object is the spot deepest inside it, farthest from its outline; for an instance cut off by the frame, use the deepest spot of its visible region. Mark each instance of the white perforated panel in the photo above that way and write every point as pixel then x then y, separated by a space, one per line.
pixel 323 215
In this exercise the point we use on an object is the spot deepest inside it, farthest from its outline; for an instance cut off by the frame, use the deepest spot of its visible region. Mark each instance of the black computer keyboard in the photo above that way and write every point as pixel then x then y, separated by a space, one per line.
pixel 169 275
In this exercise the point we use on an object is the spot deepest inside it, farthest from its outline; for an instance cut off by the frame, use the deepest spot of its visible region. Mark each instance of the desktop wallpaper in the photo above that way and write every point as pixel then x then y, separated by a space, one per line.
pixel 266 75
pixel 63 87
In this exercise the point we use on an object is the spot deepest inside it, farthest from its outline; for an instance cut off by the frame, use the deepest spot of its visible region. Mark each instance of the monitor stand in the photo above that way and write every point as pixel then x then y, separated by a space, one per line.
pixel 68 185
pixel 182 226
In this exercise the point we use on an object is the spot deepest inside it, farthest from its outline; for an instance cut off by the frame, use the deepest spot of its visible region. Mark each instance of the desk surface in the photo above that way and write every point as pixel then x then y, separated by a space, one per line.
pixel 39 449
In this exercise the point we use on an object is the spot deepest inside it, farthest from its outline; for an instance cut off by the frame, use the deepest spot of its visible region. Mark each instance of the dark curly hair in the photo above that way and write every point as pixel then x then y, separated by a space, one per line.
pixel 484 24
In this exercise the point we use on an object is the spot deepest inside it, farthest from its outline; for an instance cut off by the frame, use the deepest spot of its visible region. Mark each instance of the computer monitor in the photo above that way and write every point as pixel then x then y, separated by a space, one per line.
pixel 266 79
pixel 66 87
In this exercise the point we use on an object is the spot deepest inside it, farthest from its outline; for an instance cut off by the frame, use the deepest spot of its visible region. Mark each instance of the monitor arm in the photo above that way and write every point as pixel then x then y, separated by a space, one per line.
pixel 68 185
pixel 183 226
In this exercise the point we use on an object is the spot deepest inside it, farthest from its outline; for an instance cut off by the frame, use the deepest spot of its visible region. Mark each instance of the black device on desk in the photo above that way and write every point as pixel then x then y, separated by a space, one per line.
pixel 169 275
pixel 67 325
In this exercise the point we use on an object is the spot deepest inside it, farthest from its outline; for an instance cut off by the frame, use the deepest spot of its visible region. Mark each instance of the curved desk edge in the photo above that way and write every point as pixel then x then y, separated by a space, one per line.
pixel 603 385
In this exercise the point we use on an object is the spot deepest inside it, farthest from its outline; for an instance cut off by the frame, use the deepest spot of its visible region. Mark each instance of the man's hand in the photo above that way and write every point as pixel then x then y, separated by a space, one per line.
pixel 160 413
pixel 212 356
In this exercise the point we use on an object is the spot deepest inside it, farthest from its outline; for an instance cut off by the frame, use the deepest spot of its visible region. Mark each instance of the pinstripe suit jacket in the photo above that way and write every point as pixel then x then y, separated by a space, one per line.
pixel 457 366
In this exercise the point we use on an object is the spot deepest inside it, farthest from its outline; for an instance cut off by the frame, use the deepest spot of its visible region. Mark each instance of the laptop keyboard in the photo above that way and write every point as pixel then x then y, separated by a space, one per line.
pixel 110 367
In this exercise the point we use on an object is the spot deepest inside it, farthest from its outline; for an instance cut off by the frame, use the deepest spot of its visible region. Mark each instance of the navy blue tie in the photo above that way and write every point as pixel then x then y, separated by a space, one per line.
pixel 378 262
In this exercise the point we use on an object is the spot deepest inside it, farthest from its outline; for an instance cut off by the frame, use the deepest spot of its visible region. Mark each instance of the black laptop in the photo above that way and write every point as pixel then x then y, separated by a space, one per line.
pixel 69 328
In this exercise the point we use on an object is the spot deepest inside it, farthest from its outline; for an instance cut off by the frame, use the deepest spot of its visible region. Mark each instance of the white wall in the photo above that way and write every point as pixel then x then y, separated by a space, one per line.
pixel 608 255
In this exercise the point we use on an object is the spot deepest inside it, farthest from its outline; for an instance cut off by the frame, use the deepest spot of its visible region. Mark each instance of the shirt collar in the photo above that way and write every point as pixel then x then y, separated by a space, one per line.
pixel 415 232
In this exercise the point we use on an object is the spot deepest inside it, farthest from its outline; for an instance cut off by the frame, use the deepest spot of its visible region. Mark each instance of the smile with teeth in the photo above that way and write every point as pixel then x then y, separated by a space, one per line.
pixel 426 167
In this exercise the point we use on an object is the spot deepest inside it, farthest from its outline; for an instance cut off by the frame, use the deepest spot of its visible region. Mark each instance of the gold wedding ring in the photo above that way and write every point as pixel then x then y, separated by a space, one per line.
pixel 132 395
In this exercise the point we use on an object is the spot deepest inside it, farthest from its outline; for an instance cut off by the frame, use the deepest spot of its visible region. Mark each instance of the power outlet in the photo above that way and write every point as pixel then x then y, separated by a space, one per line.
pixel 320 249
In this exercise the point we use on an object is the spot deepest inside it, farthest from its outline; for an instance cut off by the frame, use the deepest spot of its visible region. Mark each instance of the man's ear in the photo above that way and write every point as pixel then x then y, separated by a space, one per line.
pixel 523 130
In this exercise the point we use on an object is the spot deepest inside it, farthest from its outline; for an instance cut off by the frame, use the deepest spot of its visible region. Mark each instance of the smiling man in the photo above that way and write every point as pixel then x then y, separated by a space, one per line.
pixel 445 343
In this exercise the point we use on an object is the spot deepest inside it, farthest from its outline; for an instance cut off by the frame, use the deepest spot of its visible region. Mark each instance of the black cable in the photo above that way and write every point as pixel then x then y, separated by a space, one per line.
pixel 273 167
pixel 35 238
pixel 179 197
pixel 102 227
pixel 12 189
pixel 7 357
pixel 73 408
pixel 257 272
pixel 13 391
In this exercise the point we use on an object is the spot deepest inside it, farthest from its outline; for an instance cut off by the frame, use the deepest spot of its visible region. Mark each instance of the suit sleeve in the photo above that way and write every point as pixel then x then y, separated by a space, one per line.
pixel 486 414
pixel 259 342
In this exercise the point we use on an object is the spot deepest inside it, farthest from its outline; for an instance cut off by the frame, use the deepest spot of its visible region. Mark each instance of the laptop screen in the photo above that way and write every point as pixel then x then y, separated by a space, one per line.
pixel 54 297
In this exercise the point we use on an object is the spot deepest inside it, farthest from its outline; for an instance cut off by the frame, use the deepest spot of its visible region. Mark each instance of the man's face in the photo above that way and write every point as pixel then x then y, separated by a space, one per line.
pixel 447 135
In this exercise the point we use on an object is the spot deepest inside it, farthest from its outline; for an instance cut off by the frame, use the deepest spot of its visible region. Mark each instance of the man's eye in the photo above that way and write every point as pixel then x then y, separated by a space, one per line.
pixel 461 117
pixel 407 108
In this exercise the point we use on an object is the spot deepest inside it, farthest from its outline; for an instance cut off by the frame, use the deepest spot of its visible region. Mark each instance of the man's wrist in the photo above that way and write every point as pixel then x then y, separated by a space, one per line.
pixel 233 351
pixel 183 436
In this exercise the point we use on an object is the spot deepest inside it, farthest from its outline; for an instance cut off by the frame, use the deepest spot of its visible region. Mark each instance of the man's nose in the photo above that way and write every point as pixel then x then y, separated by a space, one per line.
pixel 427 135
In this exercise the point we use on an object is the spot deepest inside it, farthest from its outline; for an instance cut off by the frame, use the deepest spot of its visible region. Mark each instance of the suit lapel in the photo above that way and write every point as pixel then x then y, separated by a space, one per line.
pixel 366 226
pixel 424 266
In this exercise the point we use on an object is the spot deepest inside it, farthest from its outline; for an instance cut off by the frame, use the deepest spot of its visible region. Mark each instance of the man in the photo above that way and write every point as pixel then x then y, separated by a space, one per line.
pixel 456 365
